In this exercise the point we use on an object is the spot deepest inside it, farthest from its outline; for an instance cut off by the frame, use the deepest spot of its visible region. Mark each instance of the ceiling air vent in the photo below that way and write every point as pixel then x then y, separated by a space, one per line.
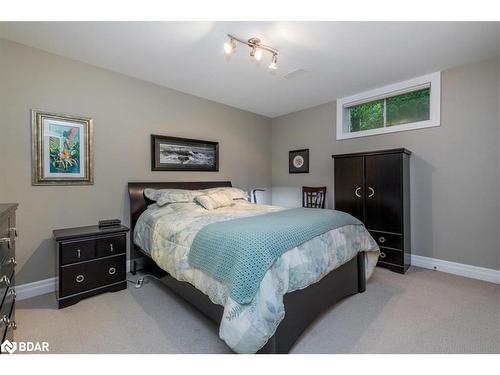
pixel 295 73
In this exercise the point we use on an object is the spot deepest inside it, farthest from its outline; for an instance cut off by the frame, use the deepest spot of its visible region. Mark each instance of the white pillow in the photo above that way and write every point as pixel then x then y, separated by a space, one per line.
pixel 235 193
pixel 215 199
pixel 165 196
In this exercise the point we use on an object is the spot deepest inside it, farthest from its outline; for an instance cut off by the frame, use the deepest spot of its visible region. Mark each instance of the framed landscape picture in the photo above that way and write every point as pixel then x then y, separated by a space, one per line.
pixel 298 161
pixel 61 149
pixel 183 154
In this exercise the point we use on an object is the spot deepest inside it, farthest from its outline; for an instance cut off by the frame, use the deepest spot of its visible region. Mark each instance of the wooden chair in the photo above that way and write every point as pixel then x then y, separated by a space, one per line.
pixel 313 197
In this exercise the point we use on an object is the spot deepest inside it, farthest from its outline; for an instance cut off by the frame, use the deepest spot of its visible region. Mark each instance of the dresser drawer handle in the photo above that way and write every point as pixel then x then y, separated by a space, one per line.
pixel 80 278
pixel 12 261
pixel 111 247
pixel 5 320
pixel 381 239
pixel 12 325
pixel 382 255
pixel 112 271
pixel 13 293
pixel 7 241
pixel 78 253
pixel 4 279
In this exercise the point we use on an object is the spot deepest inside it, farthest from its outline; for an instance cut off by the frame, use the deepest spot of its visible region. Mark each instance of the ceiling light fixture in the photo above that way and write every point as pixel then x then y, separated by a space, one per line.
pixel 256 50
pixel 229 46
pixel 274 62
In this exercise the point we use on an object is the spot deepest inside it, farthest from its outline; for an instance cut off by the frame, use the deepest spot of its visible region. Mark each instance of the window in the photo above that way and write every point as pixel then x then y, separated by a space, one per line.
pixel 408 105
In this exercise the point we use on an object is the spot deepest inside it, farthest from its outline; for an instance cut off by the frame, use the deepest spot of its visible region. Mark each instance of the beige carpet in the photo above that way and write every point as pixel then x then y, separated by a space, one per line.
pixel 420 312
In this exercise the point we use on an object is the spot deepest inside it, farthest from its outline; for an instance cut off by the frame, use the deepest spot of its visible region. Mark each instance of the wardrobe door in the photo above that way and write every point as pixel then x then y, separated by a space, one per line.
pixel 383 194
pixel 349 176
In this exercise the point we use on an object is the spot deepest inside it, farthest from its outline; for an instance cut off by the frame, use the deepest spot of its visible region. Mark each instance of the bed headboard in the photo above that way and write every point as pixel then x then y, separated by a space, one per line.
pixel 138 202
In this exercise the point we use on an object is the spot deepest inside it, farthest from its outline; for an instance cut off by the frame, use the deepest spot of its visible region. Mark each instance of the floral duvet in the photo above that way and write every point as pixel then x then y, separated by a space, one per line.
pixel 166 234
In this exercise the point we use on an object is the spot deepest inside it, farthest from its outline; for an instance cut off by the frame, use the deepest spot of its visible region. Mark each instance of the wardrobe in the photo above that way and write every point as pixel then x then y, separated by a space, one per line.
pixel 374 187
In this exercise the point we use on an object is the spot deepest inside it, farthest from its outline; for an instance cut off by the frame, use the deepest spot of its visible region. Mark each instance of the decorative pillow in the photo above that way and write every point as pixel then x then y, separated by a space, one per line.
pixel 215 199
pixel 235 193
pixel 165 196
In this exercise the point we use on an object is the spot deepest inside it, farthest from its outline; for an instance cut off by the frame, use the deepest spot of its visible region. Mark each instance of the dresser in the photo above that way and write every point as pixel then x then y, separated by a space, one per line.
pixel 90 261
pixel 375 188
pixel 8 234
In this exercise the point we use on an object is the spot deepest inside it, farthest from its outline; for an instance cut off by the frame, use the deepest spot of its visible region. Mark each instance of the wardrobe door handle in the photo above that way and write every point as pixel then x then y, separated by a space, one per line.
pixel 372 192
pixel 356 192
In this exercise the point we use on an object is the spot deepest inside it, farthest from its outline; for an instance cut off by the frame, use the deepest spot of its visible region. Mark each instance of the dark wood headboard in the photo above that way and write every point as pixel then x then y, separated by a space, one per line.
pixel 138 202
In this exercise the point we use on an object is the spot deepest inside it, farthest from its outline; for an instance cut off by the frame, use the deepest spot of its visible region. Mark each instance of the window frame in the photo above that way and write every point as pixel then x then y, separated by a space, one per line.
pixel 432 80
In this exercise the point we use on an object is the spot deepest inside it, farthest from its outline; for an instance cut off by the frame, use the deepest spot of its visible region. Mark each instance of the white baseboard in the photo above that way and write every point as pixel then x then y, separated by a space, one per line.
pixel 37 288
pixel 473 272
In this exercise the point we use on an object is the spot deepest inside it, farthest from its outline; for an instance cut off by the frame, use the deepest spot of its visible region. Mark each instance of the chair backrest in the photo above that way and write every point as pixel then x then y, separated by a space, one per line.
pixel 313 197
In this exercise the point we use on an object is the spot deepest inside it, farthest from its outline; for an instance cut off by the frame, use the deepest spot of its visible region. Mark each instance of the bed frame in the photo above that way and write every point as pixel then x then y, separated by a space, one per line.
pixel 302 307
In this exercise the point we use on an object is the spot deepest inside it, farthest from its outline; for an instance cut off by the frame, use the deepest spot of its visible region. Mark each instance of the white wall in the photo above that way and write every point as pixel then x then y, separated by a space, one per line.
pixel 125 112
pixel 454 168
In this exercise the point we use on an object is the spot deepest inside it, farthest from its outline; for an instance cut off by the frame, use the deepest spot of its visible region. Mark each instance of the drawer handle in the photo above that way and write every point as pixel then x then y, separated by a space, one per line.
pixel 372 192
pixel 381 239
pixel 5 279
pixel 78 253
pixel 111 247
pixel 13 293
pixel 13 230
pixel 12 261
pixel 112 271
pixel 382 255
pixel 12 325
pixel 80 278
pixel 5 320
pixel 6 240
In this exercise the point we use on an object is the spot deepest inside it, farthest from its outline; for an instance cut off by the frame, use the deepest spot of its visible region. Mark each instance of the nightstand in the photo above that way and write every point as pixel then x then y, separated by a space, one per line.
pixel 90 261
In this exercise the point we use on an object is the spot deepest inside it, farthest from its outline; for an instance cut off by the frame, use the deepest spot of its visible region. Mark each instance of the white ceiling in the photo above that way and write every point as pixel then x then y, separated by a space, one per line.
pixel 340 58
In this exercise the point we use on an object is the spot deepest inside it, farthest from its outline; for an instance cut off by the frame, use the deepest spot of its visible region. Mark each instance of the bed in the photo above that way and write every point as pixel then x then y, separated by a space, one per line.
pixel 301 306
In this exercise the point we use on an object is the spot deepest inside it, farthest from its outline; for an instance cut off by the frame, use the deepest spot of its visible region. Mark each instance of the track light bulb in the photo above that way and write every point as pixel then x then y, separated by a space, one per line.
pixel 229 47
pixel 274 63
pixel 258 54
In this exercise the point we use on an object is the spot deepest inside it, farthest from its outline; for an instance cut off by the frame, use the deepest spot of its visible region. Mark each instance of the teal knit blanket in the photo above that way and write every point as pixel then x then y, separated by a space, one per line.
pixel 239 252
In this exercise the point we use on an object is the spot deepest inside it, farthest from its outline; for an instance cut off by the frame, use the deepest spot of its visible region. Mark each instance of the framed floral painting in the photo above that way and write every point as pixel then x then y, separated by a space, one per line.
pixel 62 149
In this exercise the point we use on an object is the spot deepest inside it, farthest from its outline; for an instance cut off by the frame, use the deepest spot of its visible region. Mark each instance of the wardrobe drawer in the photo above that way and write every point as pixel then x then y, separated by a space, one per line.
pixel 77 251
pixel 83 276
pixel 394 241
pixel 391 256
pixel 111 245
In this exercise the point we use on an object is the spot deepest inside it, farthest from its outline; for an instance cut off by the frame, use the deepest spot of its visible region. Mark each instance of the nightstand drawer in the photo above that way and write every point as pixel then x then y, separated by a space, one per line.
pixel 391 256
pixel 83 276
pixel 72 252
pixel 111 245
pixel 385 239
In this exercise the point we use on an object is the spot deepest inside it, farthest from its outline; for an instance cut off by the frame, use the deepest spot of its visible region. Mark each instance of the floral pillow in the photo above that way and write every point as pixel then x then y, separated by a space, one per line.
pixel 235 193
pixel 166 196
pixel 215 199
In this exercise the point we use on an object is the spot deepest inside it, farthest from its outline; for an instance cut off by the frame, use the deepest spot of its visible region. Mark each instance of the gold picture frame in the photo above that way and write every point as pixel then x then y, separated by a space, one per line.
pixel 62 149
